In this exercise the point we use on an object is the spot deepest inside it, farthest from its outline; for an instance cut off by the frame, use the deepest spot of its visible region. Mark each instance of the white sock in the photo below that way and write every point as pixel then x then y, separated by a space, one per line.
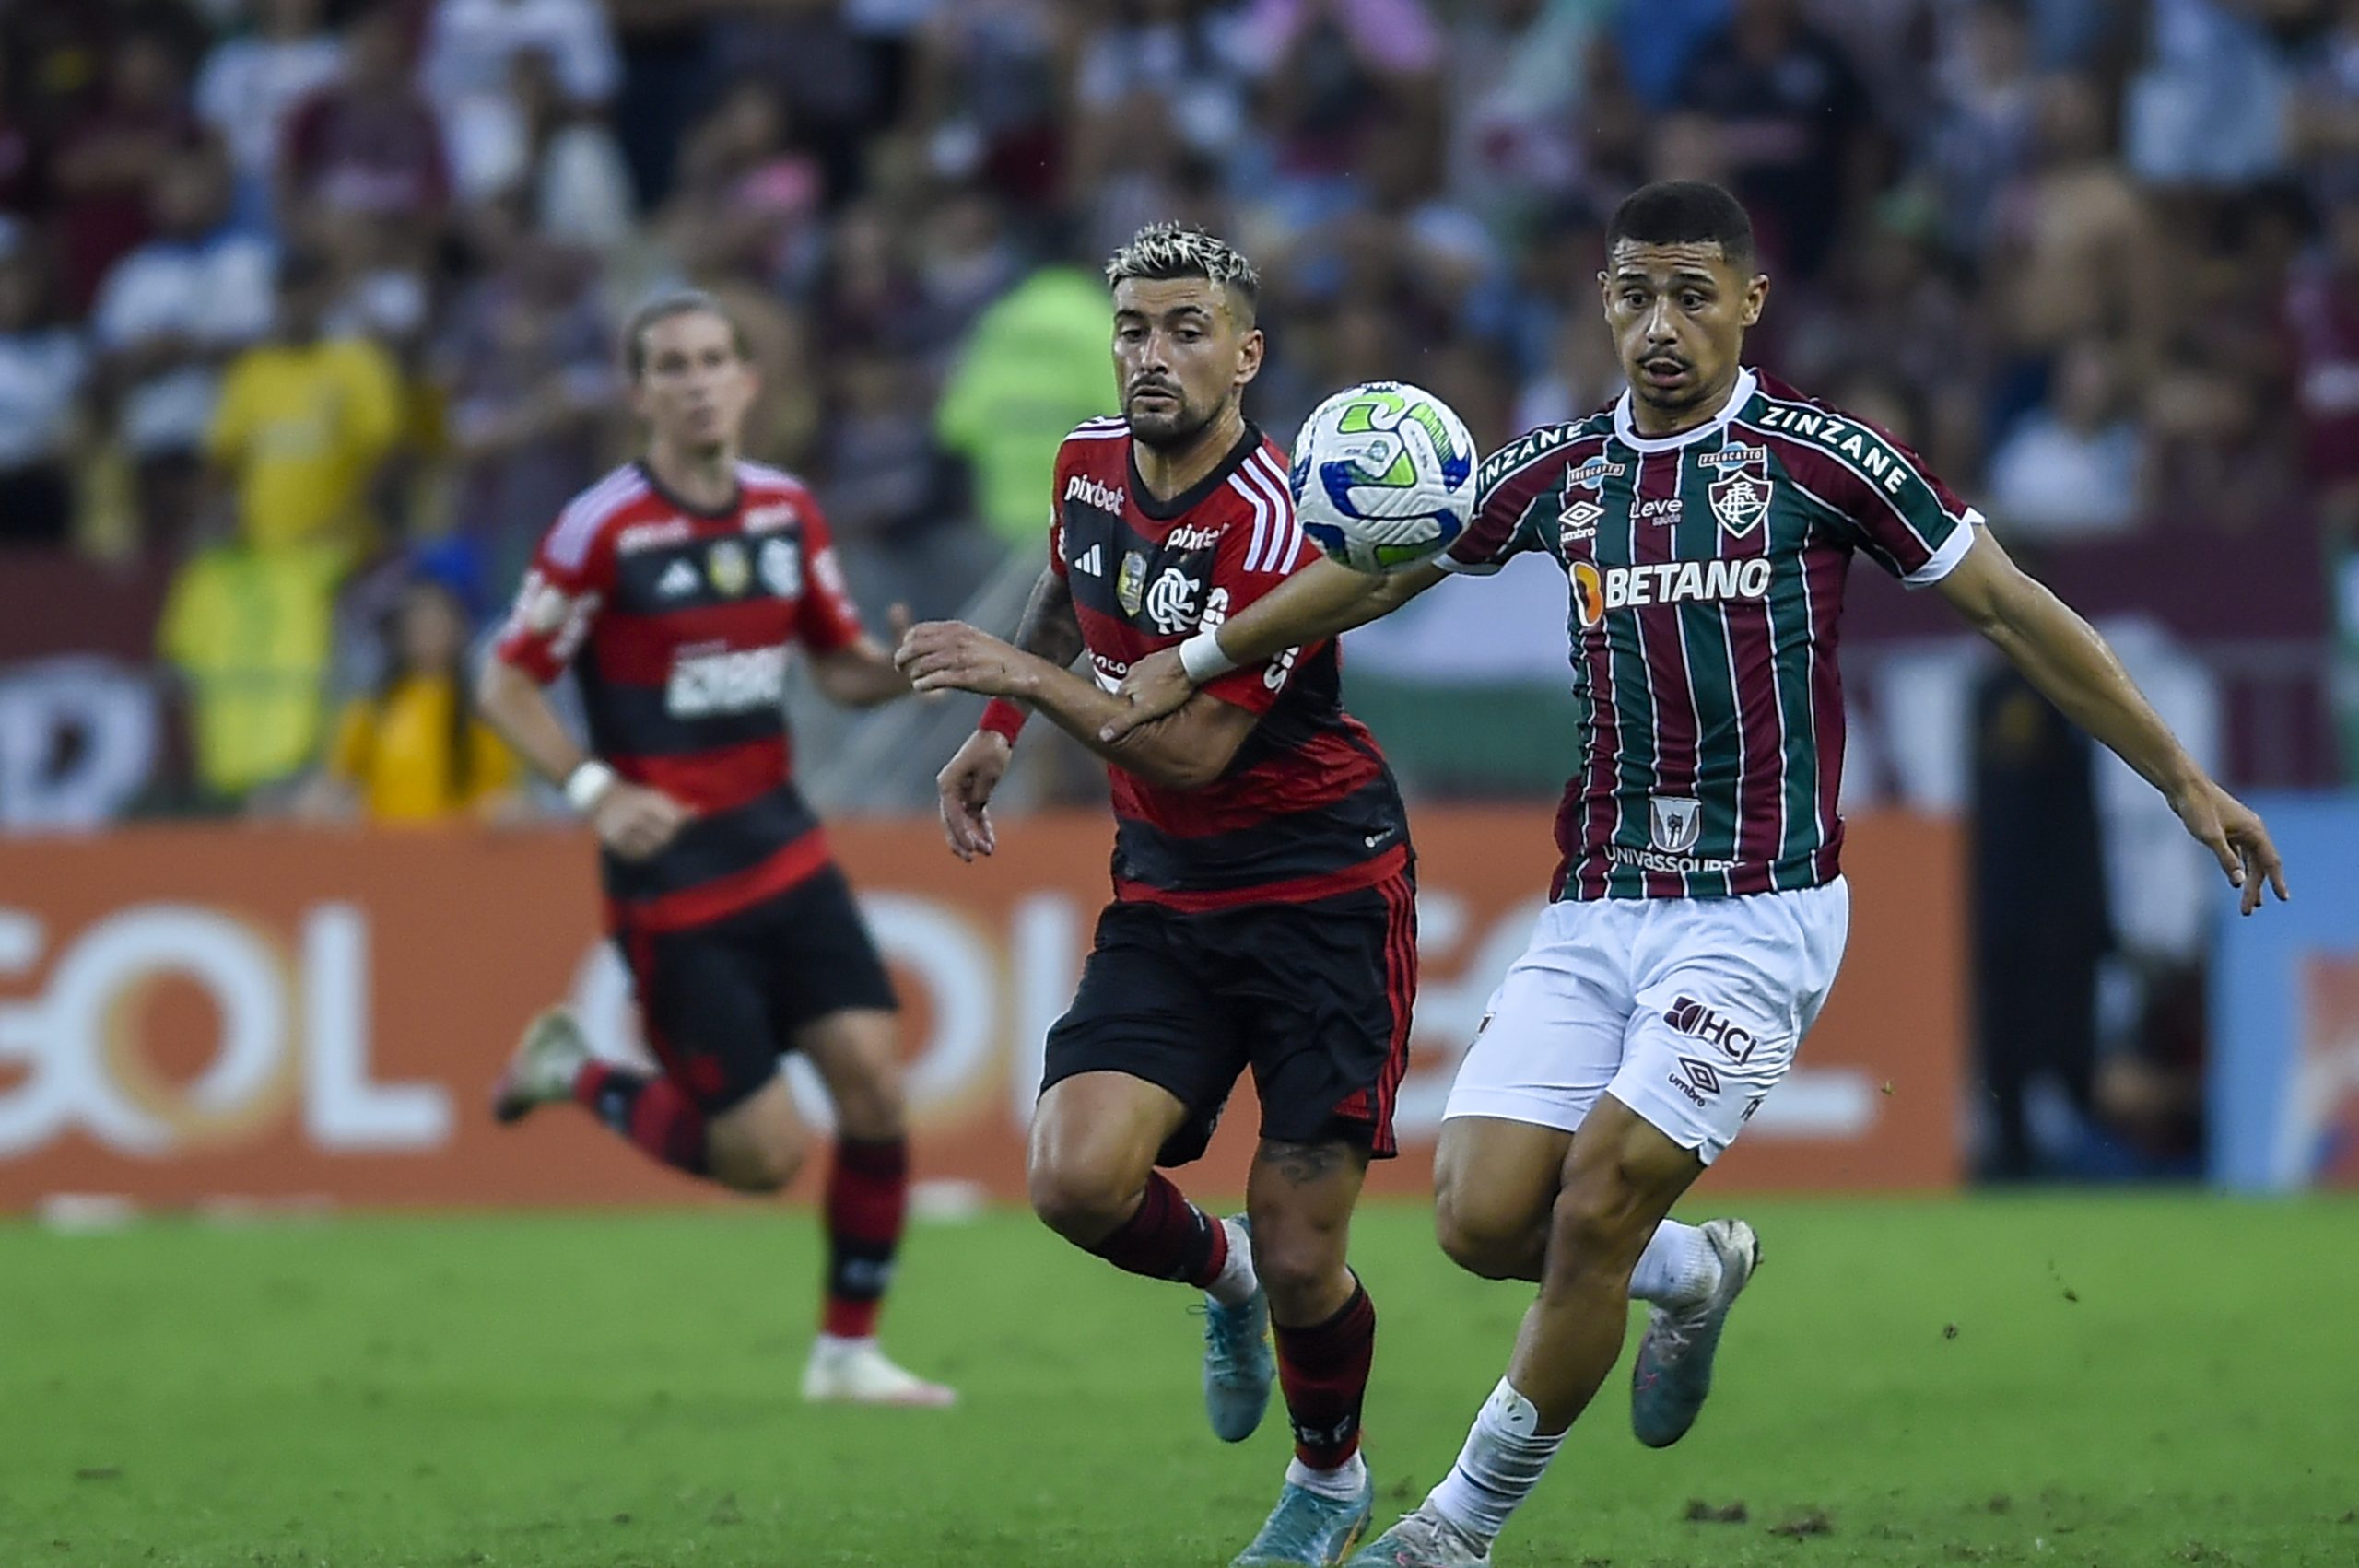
pixel 1503 1458
pixel 840 1345
pixel 1679 1266
pixel 1236 1282
pixel 1343 1483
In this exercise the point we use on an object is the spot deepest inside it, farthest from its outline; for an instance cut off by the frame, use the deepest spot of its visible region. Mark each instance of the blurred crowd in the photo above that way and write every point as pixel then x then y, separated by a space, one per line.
pixel 314 297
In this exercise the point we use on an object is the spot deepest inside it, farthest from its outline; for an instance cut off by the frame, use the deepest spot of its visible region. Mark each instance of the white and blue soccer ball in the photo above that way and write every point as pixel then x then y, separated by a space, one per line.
pixel 1383 476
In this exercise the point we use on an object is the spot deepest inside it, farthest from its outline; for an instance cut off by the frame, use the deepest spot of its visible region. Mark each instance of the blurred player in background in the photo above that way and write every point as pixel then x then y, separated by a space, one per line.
pixel 676 589
pixel 1705 522
pixel 1263 910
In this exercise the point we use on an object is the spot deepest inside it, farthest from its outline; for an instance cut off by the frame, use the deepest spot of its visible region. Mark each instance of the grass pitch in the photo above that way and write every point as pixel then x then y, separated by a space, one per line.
pixel 2110 1381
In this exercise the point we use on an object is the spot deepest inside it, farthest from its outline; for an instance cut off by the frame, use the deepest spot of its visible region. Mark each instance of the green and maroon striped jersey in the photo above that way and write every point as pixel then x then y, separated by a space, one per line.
pixel 1707 574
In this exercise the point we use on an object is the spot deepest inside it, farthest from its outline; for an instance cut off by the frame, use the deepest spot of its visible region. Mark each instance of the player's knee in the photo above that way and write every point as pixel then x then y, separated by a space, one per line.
pixel 1082 1202
pixel 871 1105
pixel 1488 1242
pixel 1600 1222
pixel 757 1165
pixel 1299 1266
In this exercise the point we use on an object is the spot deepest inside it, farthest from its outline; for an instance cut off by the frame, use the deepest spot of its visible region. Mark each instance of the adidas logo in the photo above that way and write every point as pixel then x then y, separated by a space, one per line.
pixel 1092 562
pixel 679 581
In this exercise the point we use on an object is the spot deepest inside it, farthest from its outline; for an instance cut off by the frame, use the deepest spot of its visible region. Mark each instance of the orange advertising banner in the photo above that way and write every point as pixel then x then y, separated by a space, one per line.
pixel 191 1014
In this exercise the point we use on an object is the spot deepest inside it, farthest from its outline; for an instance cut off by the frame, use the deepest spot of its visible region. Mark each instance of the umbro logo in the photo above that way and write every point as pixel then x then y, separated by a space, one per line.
pixel 1090 493
pixel 1696 1080
pixel 1092 562
pixel 679 581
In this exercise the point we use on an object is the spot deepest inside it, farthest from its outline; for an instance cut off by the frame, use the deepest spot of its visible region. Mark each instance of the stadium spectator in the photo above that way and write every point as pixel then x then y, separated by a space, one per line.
pixel 564 160
pixel 1793 123
pixel 899 519
pixel 304 423
pixel 20 150
pixel 249 630
pixel 2037 897
pixel 2070 470
pixel 468 67
pixel 368 144
pixel 2210 107
pixel 248 85
pixel 1034 367
pixel 413 750
pixel 106 162
pixel 43 365
pixel 170 315
pixel 527 368
pixel 2321 314
pixel 2075 248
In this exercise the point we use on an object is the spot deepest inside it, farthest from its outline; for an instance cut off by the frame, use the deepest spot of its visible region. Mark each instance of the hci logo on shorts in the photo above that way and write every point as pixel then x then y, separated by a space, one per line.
pixel 1692 1017
pixel 1676 822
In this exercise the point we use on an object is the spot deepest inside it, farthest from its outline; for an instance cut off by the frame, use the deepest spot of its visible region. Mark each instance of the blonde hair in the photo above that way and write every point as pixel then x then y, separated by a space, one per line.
pixel 1163 250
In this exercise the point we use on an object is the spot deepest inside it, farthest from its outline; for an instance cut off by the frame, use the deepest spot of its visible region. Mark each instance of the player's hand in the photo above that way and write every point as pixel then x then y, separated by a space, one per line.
pixel 2236 837
pixel 1156 684
pixel 953 656
pixel 965 789
pixel 635 822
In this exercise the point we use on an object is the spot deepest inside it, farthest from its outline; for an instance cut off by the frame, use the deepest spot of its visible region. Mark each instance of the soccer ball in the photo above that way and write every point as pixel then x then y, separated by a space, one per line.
pixel 1383 476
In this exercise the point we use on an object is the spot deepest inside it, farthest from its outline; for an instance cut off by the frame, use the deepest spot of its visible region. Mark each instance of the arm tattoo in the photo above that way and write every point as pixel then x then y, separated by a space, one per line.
pixel 1304 1163
pixel 1049 627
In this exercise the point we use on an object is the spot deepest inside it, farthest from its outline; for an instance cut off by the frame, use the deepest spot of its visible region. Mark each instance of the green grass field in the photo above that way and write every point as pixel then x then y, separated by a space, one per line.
pixel 2114 1381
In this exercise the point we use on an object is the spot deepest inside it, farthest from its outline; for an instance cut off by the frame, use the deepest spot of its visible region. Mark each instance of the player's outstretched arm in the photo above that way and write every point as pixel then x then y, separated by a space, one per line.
pixel 1184 750
pixel 1321 601
pixel 2073 666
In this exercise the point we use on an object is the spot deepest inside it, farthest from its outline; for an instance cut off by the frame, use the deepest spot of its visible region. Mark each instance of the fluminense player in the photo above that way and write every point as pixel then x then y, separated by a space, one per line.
pixel 1705 522
pixel 677 589
pixel 1263 911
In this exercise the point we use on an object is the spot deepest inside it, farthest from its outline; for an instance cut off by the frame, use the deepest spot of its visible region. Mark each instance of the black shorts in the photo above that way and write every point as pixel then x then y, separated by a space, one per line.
pixel 1314 998
pixel 719 1004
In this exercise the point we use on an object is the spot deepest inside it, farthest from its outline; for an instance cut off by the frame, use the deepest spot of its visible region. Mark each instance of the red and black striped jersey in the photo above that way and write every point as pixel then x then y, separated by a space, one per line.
pixel 678 624
pixel 1307 807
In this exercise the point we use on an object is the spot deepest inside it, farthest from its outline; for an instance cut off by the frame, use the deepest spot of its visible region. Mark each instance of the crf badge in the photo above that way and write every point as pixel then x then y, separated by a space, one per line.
pixel 1172 603
pixel 1677 821
pixel 1740 501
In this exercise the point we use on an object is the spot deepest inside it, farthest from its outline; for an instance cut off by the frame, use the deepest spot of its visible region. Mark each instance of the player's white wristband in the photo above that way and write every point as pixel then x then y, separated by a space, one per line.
pixel 1202 657
pixel 588 784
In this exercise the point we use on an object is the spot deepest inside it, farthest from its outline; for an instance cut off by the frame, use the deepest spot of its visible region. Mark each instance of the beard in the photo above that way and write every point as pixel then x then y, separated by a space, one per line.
pixel 1169 429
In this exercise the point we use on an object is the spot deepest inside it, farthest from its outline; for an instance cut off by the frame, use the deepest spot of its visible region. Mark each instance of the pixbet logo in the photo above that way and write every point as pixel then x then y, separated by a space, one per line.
pixel 293 1030
pixel 1693 1018
pixel 1090 493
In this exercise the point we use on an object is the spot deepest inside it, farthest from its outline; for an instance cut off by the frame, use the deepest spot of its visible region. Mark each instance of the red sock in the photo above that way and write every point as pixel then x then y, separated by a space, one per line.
pixel 868 1201
pixel 1168 1238
pixel 651 1112
pixel 1323 1370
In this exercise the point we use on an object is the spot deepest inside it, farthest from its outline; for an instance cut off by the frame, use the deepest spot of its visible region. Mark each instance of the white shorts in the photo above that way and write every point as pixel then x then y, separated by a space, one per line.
pixel 1687 1010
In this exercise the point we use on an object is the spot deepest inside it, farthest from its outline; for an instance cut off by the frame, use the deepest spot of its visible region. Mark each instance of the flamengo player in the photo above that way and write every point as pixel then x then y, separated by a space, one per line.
pixel 676 589
pixel 1263 912
pixel 1705 522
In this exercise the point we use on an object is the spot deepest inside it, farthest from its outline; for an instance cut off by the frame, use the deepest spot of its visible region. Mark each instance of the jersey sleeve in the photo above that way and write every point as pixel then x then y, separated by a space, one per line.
pixel 1057 514
pixel 564 589
pixel 1507 488
pixel 1888 503
pixel 1252 558
pixel 827 619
